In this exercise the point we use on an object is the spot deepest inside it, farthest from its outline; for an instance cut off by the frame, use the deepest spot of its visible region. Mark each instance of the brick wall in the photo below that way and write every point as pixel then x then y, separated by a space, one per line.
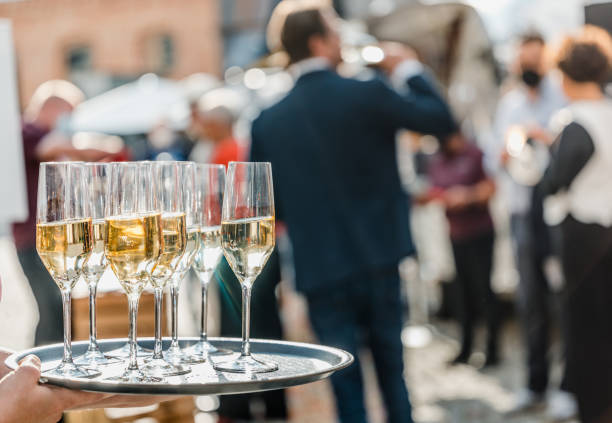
pixel 116 33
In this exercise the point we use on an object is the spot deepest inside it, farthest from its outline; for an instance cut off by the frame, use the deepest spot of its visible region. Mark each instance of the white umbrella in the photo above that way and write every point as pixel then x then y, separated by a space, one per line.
pixel 197 84
pixel 134 108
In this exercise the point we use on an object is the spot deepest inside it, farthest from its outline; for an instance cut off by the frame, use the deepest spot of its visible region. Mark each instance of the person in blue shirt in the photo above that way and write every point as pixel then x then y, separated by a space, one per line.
pixel 530 105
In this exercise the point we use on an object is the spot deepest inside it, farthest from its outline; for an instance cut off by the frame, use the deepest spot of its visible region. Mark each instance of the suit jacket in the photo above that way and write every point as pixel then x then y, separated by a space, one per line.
pixel 331 142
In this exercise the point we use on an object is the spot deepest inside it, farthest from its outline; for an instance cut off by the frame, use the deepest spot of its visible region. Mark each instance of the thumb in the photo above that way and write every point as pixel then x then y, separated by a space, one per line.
pixel 28 371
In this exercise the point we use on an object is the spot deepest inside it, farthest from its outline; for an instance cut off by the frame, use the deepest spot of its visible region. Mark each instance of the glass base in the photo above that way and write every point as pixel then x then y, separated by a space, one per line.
pixel 176 355
pixel 124 352
pixel 94 358
pixel 72 370
pixel 245 364
pixel 204 349
pixel 158 367
pixel 134 376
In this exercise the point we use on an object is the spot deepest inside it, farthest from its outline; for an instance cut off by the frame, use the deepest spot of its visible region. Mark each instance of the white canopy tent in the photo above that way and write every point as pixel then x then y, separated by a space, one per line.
pixel 134 108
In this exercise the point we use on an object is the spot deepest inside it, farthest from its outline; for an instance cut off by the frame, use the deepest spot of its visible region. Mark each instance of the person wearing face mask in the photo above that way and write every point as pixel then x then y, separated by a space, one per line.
pixel 529 106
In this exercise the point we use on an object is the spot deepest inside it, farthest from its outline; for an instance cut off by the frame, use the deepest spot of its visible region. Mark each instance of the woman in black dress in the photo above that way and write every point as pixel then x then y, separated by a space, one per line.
pixel 578 197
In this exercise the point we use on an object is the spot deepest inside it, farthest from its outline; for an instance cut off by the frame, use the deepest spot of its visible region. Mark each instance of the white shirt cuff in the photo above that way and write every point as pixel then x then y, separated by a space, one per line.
pixel 404 71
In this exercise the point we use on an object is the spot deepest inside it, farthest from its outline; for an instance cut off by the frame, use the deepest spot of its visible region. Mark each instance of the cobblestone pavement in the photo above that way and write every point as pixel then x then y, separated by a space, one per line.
pixel 458 394
pixel 440 393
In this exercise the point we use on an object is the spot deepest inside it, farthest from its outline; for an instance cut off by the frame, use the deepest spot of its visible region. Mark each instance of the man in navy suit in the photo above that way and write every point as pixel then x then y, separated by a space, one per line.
pixel 331 142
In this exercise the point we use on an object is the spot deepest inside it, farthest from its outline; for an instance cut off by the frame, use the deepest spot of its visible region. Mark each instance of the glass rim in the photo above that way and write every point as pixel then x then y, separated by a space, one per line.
pixel 57 163
pixel 97 164
pixel 209 165
pixel 64 169
pixel 131 163
pixel 248 163
pixel 162 163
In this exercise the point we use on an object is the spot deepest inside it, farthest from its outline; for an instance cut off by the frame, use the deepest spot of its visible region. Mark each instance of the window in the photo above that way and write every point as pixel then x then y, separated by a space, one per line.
pixel 159 53
pixel 78 58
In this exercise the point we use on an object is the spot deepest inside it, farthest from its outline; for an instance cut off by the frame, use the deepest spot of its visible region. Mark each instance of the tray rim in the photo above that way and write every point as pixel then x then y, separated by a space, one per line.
pixel 225 388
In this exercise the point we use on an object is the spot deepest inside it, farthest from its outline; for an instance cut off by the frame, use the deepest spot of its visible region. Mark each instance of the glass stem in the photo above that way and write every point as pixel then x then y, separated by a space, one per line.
pixel 174 292
pixel 133 303
pixel 157 352
pixel 67 307
pixel 93 342
pixel 246 319
pixel 203 323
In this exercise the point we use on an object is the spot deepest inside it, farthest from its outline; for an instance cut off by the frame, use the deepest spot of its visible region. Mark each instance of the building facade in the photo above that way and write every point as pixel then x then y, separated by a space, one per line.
pixel 99 44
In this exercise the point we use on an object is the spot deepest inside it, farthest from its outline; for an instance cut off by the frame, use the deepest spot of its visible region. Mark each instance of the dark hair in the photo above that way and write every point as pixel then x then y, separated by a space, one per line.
pixel 586 57
pixel 532 37
pixel 299 26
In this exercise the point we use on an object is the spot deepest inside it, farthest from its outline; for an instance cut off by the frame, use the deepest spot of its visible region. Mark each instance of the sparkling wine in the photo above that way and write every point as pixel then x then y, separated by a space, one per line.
pixel 192 246
pixel 209 254
pixel 96 263
pixel 173 232
pixel 133 246
pixel 247 244
pixel 64 247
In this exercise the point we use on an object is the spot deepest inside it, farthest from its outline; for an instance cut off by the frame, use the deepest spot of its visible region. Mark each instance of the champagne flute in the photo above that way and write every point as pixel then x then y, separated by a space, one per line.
pixel 134 242
pixel 175 353
pixel 123 352
pixel 94 267
pixel 210 186
pixel 64 241
pixel 247 238
pixel 168 178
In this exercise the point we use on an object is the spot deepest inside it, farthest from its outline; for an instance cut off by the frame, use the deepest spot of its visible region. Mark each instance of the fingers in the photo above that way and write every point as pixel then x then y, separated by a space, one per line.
pixel 23 380
pixel 28 371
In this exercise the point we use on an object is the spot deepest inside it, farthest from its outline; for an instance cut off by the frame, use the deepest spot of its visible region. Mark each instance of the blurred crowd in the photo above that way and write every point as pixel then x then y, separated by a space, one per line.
pixel 334 142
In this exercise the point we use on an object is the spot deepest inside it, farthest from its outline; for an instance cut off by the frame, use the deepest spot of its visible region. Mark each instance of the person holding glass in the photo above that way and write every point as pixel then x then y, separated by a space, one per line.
pixel 331 143
pixel 578 199
pixel 524 113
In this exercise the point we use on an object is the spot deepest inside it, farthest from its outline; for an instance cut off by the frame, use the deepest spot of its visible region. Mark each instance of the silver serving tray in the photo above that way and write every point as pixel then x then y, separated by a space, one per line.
pixel 298 363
